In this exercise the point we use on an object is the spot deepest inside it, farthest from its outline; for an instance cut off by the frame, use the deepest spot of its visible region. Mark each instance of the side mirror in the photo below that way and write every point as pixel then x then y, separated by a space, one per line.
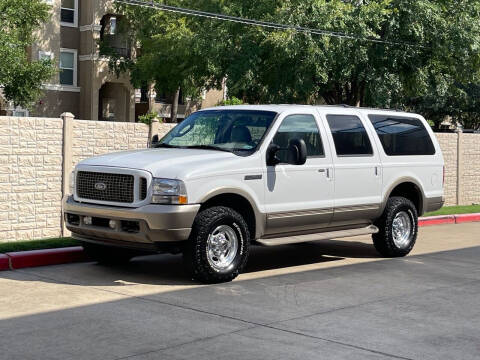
pixel 297 153
pixel 272 150
pixel 154 140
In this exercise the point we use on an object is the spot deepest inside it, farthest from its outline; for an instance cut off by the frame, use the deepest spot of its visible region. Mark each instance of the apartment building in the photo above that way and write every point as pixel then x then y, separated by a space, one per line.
pixel 84 85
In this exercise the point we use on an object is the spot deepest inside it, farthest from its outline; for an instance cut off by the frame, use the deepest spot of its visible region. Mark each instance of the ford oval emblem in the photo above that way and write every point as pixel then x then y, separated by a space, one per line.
pixel 100 186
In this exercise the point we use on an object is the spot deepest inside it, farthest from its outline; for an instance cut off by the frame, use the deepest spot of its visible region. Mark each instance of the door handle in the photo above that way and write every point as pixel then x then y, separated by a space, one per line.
pixel 377 170
pixel 321 170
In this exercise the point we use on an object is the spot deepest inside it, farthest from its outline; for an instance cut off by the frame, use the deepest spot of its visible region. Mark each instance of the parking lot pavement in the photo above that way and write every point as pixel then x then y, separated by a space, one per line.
pixel 323 300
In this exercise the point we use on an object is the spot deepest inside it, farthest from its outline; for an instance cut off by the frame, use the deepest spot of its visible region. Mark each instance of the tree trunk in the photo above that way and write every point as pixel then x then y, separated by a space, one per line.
pixel 174 113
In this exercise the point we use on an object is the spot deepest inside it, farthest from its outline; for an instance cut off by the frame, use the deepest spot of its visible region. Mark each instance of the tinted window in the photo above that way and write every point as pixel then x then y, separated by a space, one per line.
pixel 299 127
pixel 349 135
pixel 402 136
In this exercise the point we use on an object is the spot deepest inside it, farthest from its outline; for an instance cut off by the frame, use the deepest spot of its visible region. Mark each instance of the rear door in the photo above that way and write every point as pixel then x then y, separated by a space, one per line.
pixel 357 168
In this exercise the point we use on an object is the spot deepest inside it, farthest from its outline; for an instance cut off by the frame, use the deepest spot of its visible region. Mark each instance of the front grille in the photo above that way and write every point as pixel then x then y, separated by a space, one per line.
pixel 143 188
pixel 110 187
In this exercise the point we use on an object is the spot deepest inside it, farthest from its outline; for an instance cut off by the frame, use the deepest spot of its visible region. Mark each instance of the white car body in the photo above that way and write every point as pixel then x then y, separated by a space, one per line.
pixel 330 192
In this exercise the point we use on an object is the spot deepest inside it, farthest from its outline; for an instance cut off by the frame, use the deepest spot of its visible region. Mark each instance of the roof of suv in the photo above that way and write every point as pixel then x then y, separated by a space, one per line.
pixel 284 107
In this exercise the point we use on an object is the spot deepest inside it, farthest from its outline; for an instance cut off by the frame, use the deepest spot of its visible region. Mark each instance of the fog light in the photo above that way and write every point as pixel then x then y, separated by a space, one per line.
pixel 112 224
pixel 87 220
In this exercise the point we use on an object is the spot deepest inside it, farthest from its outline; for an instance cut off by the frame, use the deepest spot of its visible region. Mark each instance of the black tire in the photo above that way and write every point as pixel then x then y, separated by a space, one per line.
pixel 384 239
pixel 195 254
pixel 107 255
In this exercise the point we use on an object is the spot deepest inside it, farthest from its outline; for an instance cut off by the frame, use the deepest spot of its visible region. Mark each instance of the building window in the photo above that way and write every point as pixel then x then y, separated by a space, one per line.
pixel 69 13
pixel 68 67
pixel 20 112
pixel 45 55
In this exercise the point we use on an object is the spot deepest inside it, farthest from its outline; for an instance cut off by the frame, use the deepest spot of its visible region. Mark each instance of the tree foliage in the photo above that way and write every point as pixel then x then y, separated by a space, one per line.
pixel 428 62
pixel 20 77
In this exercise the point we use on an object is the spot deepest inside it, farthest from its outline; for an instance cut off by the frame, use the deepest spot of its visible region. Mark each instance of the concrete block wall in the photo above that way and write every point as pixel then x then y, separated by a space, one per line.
pixel 470 172
pixel 449 144
pixel 38 154
pixel 30 178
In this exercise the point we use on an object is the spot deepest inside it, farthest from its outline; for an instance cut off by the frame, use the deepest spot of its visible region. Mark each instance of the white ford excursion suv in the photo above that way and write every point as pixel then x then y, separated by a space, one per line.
pixel 228 178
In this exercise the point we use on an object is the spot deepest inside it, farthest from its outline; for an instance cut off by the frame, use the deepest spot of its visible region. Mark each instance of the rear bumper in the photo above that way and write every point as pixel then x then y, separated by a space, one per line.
pixel 156 223
pixel 434 203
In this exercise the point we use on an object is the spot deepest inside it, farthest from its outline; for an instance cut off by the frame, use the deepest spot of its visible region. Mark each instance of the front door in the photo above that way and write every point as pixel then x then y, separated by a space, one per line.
pixel 300 197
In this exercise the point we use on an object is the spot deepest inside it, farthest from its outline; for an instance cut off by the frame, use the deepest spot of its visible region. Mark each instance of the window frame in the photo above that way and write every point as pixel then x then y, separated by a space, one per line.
pixel 319 133
pixel 75 65
pixel 401 117
pixel 359 117
pixel 45 54
pixel 75 15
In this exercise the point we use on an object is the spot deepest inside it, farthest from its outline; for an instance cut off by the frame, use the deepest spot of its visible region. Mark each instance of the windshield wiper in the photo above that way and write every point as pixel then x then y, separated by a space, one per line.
pixel 208 147
pixel 166 146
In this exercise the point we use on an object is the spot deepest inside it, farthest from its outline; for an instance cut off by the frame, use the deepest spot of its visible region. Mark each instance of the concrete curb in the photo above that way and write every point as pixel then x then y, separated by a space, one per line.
pixel 436 220
pixel 448 219
pixel 25 259
pixel 467 218
pixel 4 262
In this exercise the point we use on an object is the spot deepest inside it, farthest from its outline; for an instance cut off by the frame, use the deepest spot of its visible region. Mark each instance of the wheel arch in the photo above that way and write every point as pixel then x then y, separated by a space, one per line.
pixel 409 188
pixel 241 202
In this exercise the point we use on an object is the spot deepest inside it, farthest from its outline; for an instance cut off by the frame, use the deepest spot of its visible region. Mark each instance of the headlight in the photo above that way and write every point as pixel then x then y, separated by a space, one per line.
pixel 168 191
pixel 72 183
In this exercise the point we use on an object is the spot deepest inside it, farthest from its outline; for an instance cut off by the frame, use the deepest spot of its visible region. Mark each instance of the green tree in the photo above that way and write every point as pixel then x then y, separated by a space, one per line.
pixel 430 47
pixel 426 59
pixel 20 77
pixel 168 53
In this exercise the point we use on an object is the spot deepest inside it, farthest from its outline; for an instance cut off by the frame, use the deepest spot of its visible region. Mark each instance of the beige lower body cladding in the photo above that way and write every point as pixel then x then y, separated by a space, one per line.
pixel 32 164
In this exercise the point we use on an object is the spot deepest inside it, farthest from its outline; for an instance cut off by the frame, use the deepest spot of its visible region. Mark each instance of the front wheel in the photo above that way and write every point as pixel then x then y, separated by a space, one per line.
pixel 218 246
pixel 398 228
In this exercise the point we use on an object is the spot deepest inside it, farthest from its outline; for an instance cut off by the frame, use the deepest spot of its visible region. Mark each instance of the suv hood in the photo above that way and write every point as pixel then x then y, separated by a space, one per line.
pixel 165 163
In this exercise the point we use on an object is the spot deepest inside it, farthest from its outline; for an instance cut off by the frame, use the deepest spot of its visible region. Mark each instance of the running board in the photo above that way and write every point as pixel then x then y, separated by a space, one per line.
pixel 372 229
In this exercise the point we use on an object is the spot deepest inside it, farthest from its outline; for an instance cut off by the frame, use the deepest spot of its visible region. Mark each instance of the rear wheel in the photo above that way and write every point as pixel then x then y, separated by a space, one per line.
pixel 218 246
pixel 107 254
pixel 398 228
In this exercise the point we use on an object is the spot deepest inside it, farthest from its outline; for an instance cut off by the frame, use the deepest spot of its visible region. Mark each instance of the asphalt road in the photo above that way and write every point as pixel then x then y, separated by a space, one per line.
pixel 323 300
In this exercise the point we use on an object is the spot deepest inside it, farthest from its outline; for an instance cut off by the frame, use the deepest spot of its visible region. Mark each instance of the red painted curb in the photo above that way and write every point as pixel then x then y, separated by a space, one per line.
pixel 4 263
pixel 24 259
pixel 463 218
pixel 436 220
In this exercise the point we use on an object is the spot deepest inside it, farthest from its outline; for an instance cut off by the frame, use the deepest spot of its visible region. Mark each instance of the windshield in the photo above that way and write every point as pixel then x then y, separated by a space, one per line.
pixel 237 131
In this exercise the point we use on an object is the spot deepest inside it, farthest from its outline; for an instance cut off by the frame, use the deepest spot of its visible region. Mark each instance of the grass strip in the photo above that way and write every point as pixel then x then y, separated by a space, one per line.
pixel 37 244
pixel 453 210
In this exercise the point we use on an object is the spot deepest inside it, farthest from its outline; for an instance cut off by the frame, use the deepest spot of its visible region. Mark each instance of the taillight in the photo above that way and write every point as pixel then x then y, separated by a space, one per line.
pixel 443 181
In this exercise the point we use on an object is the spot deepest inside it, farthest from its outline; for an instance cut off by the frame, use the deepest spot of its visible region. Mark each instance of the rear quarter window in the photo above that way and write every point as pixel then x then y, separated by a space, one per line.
pixel 402 136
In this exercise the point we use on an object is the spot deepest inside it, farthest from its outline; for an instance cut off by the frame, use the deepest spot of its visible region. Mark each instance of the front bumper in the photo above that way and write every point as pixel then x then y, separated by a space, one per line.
pixel 156 223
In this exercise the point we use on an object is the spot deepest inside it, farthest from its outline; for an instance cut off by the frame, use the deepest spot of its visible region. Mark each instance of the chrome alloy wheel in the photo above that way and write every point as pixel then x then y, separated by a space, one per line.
pixel 401 229
pixel 222 247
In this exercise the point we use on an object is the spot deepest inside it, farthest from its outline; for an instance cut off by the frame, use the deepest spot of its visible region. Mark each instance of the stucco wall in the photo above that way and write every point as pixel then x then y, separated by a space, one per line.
pixel 32 166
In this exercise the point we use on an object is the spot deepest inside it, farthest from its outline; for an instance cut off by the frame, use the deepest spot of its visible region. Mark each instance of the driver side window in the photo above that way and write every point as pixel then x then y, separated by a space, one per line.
pixel 299 127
